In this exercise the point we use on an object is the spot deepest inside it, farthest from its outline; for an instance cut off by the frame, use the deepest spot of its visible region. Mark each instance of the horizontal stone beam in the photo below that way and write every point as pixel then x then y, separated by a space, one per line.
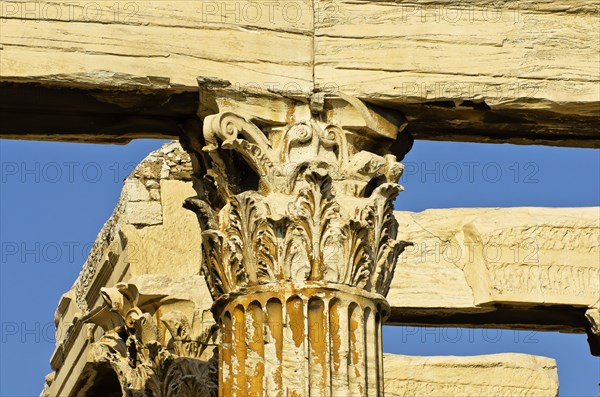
pixel 482 72
pixel 508 374
pixel 520 268
pixel 128 69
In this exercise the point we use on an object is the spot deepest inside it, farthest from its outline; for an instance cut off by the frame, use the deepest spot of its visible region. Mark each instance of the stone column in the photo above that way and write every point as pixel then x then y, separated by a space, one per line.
pixel 295 204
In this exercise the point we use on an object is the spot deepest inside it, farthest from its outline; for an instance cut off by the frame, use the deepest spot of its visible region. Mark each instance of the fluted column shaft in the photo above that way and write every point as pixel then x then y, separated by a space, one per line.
pixel 300 342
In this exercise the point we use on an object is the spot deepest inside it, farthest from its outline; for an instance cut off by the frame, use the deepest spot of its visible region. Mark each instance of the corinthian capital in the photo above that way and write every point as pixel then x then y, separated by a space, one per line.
pixel 295 204
pixel 297 192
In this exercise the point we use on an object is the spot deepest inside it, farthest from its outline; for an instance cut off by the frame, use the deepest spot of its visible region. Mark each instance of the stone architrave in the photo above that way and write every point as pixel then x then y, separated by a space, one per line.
pixel 513 72
pixel 299 240
pixel 505 374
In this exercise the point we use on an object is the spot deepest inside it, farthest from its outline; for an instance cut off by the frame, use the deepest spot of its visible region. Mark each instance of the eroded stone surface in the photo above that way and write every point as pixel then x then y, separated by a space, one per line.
pixel 517 268
pixel 508 374
pixel 152 335
pixel 483 71
pixel 470 260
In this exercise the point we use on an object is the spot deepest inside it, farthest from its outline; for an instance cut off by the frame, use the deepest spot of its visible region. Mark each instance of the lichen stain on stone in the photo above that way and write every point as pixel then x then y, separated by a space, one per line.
pixel 240 348
pixel 318 345
pixel 296 320
pixel 336 337
pixel 274 347
pixel 255 341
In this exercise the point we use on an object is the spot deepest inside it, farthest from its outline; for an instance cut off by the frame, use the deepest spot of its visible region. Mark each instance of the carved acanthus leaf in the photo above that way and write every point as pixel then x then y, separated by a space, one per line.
pixel 317 207
pixel 314 215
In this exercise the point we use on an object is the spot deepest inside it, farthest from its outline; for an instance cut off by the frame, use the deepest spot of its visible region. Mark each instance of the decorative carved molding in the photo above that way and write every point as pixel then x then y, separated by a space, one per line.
pixel 146 362
pixel 300 202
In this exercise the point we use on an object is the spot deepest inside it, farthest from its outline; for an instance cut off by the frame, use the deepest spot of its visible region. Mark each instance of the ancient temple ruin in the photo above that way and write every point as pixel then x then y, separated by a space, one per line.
pixel 259 253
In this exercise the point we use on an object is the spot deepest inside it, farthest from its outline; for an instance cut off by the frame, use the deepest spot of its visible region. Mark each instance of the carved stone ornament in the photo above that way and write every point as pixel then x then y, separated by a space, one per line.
pixel 300 202
pixel 146 363
pixel 299 239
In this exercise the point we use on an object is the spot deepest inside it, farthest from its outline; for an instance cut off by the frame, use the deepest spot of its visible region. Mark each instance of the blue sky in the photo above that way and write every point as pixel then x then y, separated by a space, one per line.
pixel 55 197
